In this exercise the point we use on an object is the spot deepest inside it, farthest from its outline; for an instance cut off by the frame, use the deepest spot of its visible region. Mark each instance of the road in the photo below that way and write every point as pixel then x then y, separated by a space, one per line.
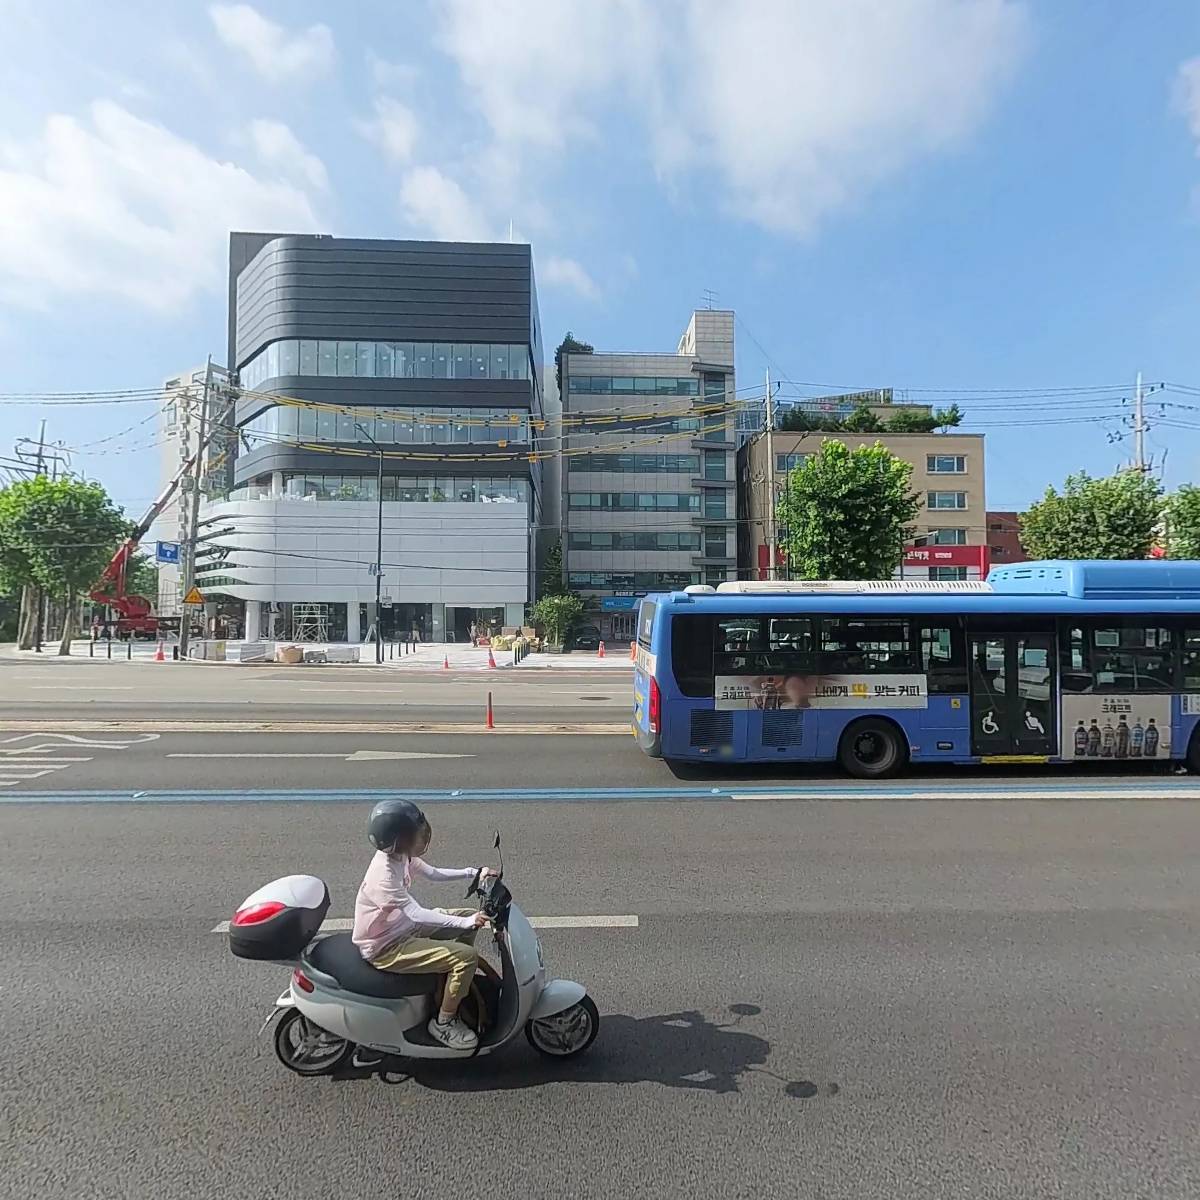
pixel 837 1000
pixel 958 984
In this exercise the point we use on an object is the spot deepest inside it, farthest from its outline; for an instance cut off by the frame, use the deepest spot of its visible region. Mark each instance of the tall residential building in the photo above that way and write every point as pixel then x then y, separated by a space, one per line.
pixel 648 470
pixel 425 355
pixel 948 476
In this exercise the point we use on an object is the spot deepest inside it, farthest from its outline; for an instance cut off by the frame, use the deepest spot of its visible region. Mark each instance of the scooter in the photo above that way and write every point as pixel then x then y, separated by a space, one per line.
pixel 339 1009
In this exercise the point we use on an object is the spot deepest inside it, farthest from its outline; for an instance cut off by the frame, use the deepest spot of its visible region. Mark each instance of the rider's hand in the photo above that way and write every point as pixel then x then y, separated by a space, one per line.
pixel 480 919
pixel 486 873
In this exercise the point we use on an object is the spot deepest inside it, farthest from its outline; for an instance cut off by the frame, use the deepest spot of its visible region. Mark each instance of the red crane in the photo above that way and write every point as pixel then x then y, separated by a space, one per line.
pixel 136 613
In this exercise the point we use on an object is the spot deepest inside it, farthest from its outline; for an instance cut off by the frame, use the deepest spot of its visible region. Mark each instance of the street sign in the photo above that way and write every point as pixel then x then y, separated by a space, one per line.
pixel 167 552
pixel 193 597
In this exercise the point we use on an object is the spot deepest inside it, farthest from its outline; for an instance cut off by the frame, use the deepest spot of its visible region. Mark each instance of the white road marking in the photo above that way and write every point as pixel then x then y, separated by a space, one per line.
pixel 7 762
pixel 82 687
pixel 75 740
pixel 19 762
pixel 1024 793
pixel 355 756
pixel 344 924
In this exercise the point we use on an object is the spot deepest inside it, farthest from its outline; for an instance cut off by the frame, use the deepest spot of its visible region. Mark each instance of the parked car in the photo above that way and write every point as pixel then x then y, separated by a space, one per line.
pixel 584 637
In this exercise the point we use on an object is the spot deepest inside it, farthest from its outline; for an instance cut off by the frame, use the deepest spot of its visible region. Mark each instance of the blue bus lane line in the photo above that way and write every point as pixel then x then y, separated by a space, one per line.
pixel 828 791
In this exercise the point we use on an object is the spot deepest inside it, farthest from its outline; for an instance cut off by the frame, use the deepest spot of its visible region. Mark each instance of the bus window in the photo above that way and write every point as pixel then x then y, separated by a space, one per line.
pixel 942 658
pixel 853 646
pixel 1131 658
pixel 1191 660
pixel 692 653
pixel 645 623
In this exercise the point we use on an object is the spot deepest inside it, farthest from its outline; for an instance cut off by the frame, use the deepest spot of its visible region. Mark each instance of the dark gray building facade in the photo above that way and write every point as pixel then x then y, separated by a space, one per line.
pixel 430 351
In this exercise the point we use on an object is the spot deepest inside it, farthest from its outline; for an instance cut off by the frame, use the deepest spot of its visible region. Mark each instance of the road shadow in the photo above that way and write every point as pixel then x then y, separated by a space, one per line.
pixel 677 1050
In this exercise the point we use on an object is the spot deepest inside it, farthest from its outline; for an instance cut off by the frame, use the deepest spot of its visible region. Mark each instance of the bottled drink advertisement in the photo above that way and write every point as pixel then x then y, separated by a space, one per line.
pixel 1116 727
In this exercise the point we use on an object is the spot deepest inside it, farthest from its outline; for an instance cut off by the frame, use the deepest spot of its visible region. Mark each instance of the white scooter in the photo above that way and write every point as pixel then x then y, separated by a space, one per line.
pixel 339 1008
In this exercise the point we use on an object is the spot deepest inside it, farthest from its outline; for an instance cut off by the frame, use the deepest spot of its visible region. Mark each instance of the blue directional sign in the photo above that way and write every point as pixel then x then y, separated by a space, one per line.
pixel 167 552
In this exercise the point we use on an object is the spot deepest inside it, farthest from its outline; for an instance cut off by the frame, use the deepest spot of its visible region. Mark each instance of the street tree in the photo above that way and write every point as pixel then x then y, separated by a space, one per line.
pixel 556 615
pixel 64 531
pixel 550 574
pixel 1113 517
pixel 847 514
pixel 1183 522
pixel 569 345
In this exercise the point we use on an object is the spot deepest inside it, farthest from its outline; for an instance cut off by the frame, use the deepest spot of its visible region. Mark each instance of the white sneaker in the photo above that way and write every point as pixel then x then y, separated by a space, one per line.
pixel 454 1034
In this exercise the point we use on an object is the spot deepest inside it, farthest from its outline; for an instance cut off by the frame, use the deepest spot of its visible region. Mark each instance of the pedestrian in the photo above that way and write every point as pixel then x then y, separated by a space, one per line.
pixel 394 933
pixel 95 629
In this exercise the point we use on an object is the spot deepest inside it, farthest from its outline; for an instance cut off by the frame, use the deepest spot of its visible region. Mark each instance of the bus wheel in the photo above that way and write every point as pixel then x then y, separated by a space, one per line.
pixel 872 749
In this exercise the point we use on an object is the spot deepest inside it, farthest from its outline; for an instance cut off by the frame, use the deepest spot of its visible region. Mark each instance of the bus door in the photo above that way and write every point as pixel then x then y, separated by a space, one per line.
pixel 1012 693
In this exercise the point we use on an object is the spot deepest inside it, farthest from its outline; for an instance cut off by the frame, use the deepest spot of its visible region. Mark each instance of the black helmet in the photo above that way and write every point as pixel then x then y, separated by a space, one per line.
pixel 393 821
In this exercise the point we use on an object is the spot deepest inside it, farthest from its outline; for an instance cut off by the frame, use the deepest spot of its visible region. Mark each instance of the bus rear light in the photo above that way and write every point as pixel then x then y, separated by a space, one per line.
pixel 654 708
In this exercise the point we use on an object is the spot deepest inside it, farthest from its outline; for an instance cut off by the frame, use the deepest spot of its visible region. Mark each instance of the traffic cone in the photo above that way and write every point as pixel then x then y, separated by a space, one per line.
pixel 446 661
pixel 491 722
pixel 600 650
pixel 491 657
pixel 159 656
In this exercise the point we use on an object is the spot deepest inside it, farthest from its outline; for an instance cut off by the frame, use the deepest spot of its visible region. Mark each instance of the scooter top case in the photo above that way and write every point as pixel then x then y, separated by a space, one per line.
pixel 280 919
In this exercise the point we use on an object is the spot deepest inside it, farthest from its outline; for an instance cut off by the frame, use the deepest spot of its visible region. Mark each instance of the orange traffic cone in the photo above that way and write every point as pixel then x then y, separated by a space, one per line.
pixel 491 657
pixel 446 661
pixel 600 650
pixel 159 656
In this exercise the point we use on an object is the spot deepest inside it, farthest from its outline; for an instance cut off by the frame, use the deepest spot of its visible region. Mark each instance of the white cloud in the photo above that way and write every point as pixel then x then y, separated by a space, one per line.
pixel 437 207
pixel 118 207
pixel 394 129
pixel 784 111
pixel 567 274
pixel 279 147
pixel 1187 96
pixel 275 53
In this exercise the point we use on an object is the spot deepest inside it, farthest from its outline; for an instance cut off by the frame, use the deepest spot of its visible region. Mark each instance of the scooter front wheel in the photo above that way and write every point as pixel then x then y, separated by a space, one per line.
pixel 566 1034
pixel 307 1049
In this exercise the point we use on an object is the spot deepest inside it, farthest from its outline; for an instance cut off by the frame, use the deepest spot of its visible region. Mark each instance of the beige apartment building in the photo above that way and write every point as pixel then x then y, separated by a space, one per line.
pixel 948 476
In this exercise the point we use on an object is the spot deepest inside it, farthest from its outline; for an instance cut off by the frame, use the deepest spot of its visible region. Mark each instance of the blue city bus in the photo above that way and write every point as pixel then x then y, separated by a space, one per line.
pixel 1044 662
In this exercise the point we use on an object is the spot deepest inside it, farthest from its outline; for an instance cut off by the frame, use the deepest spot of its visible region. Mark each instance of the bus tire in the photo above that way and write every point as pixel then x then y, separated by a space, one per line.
pixel 873 748
pixel 1192 760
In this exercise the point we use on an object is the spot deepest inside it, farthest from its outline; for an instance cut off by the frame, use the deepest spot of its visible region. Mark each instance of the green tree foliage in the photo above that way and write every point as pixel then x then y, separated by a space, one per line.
pixel 556 615
pixel 569 345
pixel 550 574
pixel 865 420
pixel 1183 522
pixel 848 513
pixel 58 535
pixel 1115 517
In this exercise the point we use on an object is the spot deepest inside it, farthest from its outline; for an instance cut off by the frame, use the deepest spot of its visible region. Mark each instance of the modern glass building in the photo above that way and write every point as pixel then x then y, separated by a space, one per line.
pixel 425 353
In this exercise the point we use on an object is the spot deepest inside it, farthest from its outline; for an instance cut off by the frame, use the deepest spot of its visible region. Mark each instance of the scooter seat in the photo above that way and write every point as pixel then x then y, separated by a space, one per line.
pixel 339 957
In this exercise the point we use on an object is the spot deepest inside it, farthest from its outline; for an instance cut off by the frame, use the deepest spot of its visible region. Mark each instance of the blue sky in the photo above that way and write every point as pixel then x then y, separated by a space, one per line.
pixel 986 197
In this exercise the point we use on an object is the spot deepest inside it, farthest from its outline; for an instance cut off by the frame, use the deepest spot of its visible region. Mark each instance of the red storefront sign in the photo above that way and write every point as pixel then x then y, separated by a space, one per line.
pixel 948 556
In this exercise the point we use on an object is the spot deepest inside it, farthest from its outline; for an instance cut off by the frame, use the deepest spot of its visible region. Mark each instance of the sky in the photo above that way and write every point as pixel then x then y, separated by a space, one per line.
pixel 989 201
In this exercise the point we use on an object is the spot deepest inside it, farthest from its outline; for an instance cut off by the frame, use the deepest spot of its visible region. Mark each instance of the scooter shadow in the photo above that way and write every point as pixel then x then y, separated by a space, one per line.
pixel 678 1050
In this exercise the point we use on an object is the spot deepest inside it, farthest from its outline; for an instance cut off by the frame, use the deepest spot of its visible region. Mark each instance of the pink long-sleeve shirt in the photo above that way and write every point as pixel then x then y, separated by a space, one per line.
pixel 384 910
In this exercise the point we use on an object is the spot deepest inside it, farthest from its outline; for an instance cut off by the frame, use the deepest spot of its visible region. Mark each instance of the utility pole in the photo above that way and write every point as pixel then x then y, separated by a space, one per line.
pixel 770 415
pixel 1139 427
pixel 197 477
pixel 377 568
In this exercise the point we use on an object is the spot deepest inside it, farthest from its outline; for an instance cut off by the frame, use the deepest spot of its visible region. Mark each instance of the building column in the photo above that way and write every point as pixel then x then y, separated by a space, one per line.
pixel 353 624
pixel 253 620
pixel 276 485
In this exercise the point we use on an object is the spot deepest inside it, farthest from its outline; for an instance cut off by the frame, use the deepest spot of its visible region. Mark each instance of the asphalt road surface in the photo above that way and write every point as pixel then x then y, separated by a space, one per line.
pixel 830 999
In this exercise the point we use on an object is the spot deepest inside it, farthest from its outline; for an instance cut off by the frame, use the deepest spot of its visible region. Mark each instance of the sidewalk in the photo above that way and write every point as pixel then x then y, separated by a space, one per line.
pixel 427 656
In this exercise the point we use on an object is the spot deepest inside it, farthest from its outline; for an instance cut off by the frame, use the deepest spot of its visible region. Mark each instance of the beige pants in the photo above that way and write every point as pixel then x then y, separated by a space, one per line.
pixel 451 953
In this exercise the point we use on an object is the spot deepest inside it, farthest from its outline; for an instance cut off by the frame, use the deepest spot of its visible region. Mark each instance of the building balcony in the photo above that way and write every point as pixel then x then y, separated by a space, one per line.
pixel 714 560
pixel 707 442
pixel 700 482
pixel 724 522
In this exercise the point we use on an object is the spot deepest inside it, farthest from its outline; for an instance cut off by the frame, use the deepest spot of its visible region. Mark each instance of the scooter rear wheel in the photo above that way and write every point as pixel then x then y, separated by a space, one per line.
pixel 566 1034
pixel 306 1049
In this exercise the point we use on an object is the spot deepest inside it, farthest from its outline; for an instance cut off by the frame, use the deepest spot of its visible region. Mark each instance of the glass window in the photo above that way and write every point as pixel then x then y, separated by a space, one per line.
pixel 498 367
pixel 601 385
pixel 645 386
pixel 346 431
pixel 402 360
pixel 789 462
pixel 441 360
pixel 289 357
pixel 715 543
pixel 385 429
pixel 327 358
pixel 437 429
pixel 853 645
pixel 481 359
pixel 326 425
pixel 625 387
pixel 364 366
pixel 384 360
pixel 714 504
pixel 461 430
pixel 287 418
pixel 518 362
pixel 943 537
pixel 943 657
pixel 273 360
pixel 402 425
pixel 1191 660
pixel 1131 658
pixel 460 360
pixel 422 360
pixel 947 574
pixel 714 464
pixel 346 353
pixel 947 499
pixel 945 464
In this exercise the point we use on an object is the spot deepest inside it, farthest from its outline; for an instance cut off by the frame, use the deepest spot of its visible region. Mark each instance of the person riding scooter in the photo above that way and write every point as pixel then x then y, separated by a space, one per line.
pixel 395 933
